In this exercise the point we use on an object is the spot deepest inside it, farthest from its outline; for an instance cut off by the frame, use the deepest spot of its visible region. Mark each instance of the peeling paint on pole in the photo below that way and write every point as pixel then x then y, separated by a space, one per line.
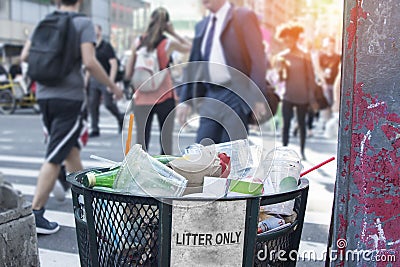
pixel 367 206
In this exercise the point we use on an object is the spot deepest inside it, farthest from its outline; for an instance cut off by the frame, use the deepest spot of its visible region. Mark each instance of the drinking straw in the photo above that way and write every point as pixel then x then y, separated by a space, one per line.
pixel 317 166
pixel 129 138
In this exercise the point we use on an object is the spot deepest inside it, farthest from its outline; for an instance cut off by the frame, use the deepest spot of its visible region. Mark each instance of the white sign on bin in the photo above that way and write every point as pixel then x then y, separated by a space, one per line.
pixel 208 233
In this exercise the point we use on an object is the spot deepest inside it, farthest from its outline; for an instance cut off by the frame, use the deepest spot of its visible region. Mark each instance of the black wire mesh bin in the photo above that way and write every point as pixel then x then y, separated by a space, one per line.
pixel 116 229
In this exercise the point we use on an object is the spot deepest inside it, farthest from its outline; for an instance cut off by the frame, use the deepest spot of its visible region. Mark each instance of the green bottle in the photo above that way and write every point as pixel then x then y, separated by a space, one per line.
pixel 165 159
pixel 104 179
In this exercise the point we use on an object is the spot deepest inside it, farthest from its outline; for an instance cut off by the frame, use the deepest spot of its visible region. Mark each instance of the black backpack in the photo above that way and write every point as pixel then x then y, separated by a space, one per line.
pixel 53 52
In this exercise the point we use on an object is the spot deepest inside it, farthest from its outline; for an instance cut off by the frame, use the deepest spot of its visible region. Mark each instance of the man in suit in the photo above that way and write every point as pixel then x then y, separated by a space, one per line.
pixel 229 43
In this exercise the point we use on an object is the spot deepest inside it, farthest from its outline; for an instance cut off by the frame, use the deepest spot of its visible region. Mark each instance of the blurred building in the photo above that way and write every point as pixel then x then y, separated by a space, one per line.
pixel 128 19
pixel 18 17
pixel 184 14
pixel 121 20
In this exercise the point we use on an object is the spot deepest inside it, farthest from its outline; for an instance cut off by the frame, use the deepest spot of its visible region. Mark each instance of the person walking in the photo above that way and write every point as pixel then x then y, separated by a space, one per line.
pixel 296 71
pixel 62 105
pixel 230 41
pixel 96 90
pixel 160 102
pixel 328 66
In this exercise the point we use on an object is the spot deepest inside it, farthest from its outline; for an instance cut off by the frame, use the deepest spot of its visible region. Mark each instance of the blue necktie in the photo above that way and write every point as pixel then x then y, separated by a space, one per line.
pixel 209 40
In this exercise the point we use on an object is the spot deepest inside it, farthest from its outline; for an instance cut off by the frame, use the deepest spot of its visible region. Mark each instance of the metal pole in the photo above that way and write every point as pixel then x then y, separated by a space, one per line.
pixel 366 230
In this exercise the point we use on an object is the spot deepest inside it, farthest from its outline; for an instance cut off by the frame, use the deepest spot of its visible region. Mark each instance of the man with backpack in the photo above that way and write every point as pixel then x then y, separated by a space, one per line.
pixel 60 93
pixel 96 90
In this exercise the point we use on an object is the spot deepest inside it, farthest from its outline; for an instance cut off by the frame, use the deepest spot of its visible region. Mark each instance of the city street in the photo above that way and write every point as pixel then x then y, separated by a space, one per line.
pixel 22 151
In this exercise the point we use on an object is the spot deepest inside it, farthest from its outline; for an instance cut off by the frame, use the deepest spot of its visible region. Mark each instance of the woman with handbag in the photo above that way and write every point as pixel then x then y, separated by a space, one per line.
pixel 156 94
pixel 296 71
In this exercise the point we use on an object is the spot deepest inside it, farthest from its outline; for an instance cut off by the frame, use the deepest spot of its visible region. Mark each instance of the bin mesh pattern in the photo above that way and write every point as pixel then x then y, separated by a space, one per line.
pixel 270 251
pixel 126 230
pixel 83 244
pixel 281 250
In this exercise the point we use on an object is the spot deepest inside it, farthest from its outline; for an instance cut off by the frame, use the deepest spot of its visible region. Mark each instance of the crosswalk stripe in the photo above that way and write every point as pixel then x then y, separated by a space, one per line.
pixel 62 218
pixel 29 190
pixel 33 173
pixel 311 251
pixel 40 160
pixel 51 258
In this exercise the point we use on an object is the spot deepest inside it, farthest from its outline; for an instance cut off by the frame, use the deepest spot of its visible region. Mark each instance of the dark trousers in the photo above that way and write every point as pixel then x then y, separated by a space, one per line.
pixel 144 117
pixel 96 91
pixel 287 113
pixel 232 126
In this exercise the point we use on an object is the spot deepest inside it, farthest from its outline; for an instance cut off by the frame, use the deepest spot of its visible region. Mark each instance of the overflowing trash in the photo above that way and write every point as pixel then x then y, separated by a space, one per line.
pixel 227 170
pixel 127 207
pixel 221 170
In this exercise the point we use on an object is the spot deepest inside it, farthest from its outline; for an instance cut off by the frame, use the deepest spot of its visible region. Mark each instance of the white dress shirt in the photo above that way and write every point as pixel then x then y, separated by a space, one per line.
pixel 219 73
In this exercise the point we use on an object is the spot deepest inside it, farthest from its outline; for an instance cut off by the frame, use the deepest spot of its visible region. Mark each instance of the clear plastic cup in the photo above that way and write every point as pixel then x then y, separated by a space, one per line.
pixel 280 170
pixel 282 162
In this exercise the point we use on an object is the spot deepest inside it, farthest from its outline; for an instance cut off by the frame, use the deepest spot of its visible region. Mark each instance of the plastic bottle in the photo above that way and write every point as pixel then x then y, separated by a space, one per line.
pixel 270 223
pixel 165 159
pixel 104 179
pixel 141 174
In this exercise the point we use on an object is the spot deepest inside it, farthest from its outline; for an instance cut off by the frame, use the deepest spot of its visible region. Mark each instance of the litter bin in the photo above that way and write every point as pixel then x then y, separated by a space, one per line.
pixel 18 241
pixel 117 229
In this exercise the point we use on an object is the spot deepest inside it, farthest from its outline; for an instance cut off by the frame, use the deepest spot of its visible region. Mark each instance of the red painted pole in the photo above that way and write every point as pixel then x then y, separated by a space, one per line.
pixel 366 218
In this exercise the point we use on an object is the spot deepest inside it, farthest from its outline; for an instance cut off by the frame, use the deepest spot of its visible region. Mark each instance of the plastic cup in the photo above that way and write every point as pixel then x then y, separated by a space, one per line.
pixel 280 170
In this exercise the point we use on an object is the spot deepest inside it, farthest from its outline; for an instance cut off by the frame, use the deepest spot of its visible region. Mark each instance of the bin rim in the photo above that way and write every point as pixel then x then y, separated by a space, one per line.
pixel 71 178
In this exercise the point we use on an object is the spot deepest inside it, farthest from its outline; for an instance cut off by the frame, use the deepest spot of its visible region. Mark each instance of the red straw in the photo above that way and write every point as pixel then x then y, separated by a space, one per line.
pixel 317 166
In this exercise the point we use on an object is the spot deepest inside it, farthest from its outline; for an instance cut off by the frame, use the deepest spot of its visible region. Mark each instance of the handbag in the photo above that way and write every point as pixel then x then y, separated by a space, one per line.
pixel 272 100
pixel 320 97
pixel 317 91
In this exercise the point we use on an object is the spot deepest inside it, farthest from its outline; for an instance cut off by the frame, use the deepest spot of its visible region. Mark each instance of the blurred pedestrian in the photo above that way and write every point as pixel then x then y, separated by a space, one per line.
pixel 296 71
pixel 62 105
pixel 228 39
pixel 328 61
pixel 97 91
pixel 160 102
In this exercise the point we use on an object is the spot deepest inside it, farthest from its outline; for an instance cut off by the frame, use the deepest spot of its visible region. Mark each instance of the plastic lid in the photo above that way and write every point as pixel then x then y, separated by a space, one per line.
pixel 283 154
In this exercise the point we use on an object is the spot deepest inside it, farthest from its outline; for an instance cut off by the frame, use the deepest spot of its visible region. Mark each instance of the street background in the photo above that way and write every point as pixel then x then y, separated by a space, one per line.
pixel 22 151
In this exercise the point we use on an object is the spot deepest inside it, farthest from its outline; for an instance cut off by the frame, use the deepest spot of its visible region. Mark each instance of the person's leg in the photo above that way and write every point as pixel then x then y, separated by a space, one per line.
pixel 209 132
pixel 301 111
pixel 143 121
pixel 166 116
pixel 94 104
pixel 235 126
pixel 287 114
pixel 73 161
pixel 47 177
pixel 112 107
pixel 310 121
pixel 63 121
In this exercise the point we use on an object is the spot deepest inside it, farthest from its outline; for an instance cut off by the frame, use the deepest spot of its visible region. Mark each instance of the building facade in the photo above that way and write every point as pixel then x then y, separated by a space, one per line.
pixel 121 20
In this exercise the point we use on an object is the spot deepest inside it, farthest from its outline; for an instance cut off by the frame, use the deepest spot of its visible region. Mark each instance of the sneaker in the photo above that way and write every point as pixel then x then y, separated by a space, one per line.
pixel 58 191
pixel 43 226
pixel 94 134
pixel 120 124
pixel 62 177
pixel 61 186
